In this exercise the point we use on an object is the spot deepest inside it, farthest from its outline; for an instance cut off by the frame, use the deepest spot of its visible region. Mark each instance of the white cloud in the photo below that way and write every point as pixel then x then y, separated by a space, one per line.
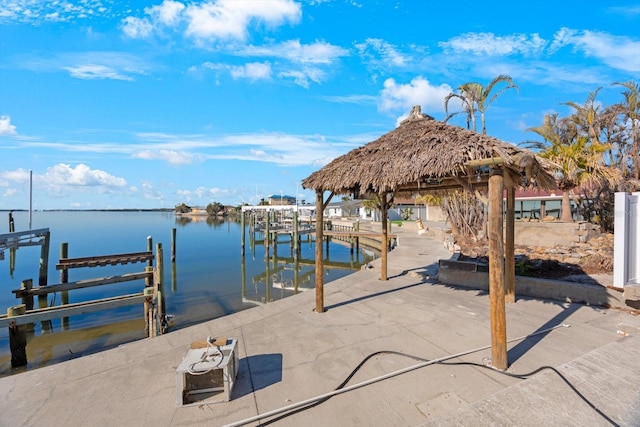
pixel 217 19
pixel 168 13
pixel 229 19
pixel 204 192
pixel 319 52
pixel 620 52
pixel 80 176
pixel 95 71
pixel 35 11
pixel 136 28
pixel 490 44
pixel 252 71
pixel 150 193
pixel 396 97
pixel 17 176
pixel 304 76
pixel 6 128
pixel 388 54
pixel 174 158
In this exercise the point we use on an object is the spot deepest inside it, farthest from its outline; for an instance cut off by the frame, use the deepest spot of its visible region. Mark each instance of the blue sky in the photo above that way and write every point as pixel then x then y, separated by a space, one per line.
pixel 145 104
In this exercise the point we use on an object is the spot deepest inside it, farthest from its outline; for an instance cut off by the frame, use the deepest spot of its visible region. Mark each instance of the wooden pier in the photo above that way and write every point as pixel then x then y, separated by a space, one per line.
pixel 21 317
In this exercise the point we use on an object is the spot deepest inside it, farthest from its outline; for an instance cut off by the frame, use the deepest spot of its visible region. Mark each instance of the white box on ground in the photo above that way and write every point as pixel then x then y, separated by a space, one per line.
pixel 207 375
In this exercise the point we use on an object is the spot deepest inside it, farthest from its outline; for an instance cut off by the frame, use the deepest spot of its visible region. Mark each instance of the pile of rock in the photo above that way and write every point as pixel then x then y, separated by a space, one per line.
pixel 593 257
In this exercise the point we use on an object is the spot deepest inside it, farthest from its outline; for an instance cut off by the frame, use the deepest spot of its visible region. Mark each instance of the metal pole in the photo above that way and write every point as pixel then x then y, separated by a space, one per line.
pixel 30 197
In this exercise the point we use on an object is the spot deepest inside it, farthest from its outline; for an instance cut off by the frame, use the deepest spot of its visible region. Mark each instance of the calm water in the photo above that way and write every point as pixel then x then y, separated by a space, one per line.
pixel 208 279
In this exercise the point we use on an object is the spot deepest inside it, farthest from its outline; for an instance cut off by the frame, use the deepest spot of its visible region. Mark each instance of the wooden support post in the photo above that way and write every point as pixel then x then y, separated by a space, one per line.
pixel 12 225
pixel 44 260
pixel 319 264
pixel 148 302
pixel 296 235
pixel 242 230
pixel 17 337
pixel 174 278
pixel 64 278
pixel 266 235
pixel 496 275
pixel 384 245
pixel 160 284
pixel 27 300
pixel 150 249
pixel 173 243
pixel 43 279
pixel 509 244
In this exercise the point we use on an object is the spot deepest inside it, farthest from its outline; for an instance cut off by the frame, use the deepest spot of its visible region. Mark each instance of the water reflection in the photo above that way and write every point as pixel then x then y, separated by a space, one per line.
pixel 213 279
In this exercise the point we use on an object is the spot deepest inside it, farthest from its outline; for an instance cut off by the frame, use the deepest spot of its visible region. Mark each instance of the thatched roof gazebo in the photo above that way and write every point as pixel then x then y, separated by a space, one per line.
pixel 423 155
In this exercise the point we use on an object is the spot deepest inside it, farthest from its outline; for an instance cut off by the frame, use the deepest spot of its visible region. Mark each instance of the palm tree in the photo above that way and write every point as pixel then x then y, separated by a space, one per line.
pixel 630 111
pixel 580 160
pixel 475 97
pixel 586 116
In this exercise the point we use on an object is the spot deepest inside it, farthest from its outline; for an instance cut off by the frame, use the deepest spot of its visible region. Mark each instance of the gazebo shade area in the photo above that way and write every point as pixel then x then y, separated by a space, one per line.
pixel 423 155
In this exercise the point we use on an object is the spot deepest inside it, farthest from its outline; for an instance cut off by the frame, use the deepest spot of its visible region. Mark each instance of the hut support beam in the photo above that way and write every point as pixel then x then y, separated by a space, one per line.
pixel 319 285
pixel 319 266
pixel 509 244
pixel 496 275
pixel 384 244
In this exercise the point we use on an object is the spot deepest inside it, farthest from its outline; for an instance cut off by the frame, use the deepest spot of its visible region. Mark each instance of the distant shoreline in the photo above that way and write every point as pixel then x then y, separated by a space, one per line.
pixel 93 210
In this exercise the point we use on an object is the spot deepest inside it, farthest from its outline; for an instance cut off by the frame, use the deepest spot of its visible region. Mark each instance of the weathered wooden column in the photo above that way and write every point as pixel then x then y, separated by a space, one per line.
pixel 266 234
pixel 242 229
pixel 64 278
pixel 44 260
pixel 159 283
pixel 384 245
pixel 17 337
pixel 43 279
pixel 296 234
pixel 173 243
pixel 509 244
pixel 496 275
pixel 319 264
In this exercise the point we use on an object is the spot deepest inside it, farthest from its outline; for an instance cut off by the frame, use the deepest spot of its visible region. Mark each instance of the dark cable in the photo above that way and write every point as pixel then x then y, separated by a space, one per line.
pixel 509 374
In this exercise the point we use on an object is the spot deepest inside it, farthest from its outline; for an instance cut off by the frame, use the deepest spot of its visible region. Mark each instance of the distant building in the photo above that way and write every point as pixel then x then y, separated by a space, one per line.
pixel 278 199
pixel 344 209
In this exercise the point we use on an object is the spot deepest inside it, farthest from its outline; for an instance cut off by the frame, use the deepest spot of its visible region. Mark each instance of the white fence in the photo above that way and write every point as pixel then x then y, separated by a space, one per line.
pixel 626 252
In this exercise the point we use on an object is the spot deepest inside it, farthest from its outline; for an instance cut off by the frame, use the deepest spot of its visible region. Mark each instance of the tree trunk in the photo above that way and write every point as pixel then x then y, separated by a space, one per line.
pixel 567 216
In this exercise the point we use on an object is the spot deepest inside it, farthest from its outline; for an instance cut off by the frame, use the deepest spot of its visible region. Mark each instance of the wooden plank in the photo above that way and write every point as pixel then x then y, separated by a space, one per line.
pixel 43 290
pixel 49 313
pixel 357 234
pixel 99 261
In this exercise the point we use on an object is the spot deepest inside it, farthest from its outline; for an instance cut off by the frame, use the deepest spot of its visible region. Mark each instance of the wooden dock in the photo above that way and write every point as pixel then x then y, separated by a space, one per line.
pixel 150 297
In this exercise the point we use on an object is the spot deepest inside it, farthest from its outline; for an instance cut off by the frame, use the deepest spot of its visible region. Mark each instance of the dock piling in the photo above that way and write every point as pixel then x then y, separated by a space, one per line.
pixel 17 337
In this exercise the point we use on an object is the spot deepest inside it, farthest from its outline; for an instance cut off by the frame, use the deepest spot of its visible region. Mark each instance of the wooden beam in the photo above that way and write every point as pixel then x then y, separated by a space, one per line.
pixel 384 246
pixel 319 265
pixel 49 313
pixel 491 161
pixel 99 261
pixel 509 243
pixel 496 275
pixel 43 290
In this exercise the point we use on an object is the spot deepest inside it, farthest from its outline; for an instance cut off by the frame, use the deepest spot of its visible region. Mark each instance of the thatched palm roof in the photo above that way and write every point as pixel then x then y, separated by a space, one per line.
pixel 424 154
